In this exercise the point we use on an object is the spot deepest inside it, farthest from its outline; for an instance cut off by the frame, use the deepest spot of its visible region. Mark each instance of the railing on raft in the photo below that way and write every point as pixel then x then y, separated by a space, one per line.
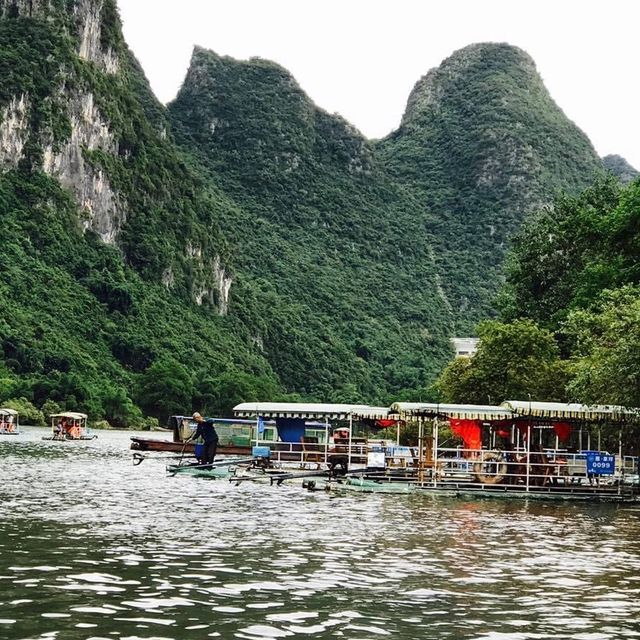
pixel 553 469
pixel 313 454
pixel 529 470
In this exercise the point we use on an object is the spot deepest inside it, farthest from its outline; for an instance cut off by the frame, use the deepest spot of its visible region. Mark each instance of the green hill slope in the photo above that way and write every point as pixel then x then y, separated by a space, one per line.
pixel 114 271
pixel 480 146
pixel 134 277
pixel 330 246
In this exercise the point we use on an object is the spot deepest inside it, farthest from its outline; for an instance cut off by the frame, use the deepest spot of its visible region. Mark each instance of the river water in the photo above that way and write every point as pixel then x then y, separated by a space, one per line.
pixel 94 547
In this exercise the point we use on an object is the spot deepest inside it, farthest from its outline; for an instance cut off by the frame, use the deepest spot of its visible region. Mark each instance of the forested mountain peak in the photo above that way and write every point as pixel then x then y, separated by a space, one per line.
pixel 620 168
pixel 322 225
pixel 253 116
pixel 433 90
pixel 481 145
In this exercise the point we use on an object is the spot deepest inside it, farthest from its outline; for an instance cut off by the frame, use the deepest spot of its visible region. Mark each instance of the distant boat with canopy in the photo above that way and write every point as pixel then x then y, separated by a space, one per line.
pixel 69 426
pixel 9 422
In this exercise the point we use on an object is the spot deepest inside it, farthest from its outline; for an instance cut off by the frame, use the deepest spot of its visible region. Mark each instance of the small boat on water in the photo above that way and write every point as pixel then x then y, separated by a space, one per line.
pixel 69 426
pixel 235 437
pixel 9 422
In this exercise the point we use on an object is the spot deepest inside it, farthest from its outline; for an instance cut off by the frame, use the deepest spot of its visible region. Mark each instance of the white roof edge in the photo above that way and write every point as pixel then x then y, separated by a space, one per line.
pixel 70 414
pixel 309 410
pixel 465 411
pixel 10 412
pixel 569 410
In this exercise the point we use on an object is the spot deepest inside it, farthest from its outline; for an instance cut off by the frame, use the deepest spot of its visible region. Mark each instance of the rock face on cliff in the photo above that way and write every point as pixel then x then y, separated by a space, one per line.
pixel 74 109
pixel 480 146
pixel 320 224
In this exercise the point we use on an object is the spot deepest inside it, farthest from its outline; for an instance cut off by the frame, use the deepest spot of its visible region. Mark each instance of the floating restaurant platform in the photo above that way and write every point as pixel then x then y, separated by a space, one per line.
pixel 533 450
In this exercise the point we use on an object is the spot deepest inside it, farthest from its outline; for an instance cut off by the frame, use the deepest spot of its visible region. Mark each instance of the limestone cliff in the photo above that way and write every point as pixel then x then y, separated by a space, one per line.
pixel 620 168
pixel 85 121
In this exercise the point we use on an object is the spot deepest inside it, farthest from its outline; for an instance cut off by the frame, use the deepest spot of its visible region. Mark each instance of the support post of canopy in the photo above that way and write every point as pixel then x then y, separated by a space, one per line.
pixel 621 479
pixel 257 426
pixel 326 439
pixel 420 445
pixel 528 449
pixel 434 468
pixel 350 437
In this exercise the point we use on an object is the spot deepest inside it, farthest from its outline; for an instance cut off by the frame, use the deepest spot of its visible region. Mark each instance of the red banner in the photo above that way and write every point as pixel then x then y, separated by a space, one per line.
pixel 563 430
pixel 469 431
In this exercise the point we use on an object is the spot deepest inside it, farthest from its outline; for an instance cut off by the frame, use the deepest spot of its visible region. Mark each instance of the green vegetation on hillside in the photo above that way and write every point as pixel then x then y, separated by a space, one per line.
pixel 480 146
pixel 574 282
pixel 327 300
pixel 322 239
pixel 245 245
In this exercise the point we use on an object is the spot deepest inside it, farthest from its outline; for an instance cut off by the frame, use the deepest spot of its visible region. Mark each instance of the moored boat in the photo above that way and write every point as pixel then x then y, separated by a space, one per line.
pixel 9 422
pixel 234 437
pixel 533 450
pixel 69 426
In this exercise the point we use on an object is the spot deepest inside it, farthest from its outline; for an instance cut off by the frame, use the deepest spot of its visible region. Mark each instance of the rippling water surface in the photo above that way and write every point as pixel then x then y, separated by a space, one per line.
pixel 93 547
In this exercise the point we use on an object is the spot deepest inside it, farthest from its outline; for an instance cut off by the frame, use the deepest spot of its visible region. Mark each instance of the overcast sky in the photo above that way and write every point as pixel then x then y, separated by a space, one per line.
pixel 361 58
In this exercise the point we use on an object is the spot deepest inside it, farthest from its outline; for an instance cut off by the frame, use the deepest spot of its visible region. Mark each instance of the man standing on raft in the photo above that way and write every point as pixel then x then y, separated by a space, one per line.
pixel 207 431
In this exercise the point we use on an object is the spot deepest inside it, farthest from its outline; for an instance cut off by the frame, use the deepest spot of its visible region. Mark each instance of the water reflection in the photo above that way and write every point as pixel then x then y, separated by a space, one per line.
pixel 93 547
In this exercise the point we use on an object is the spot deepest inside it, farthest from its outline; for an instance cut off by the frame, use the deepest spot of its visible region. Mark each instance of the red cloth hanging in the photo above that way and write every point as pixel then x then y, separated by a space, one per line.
pixel 563 430
pixel 469 431
pixel 385 424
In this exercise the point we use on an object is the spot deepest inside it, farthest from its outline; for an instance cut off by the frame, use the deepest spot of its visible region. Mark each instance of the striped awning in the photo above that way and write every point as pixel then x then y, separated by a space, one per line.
pixel 313 411
pixel 572 411
pixel 445 411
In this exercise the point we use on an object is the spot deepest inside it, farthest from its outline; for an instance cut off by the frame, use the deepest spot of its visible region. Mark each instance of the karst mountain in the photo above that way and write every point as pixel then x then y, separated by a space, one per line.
pixel 241 243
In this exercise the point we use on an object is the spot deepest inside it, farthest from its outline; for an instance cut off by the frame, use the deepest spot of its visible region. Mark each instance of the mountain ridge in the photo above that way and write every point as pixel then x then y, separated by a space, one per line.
pixel 243 243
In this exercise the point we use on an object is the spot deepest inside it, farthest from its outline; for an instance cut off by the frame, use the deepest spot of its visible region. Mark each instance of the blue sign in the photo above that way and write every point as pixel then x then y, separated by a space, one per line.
pixel 601 463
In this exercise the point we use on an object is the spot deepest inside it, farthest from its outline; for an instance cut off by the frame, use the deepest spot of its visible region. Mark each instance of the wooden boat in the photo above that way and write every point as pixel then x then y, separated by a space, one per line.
pixel 9 422
pixel 182 427
pixel 188 448
pixel 68 427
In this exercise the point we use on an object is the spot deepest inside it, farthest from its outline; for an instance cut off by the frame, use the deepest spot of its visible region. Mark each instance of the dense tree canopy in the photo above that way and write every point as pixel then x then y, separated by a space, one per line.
pixel 514 361
pixel 573 308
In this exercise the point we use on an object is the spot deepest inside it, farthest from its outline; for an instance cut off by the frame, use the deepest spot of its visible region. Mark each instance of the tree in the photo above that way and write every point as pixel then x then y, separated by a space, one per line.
pixel 566 256
pixel 606 346
pixel 165 388
pixel 218 395
pixel 514 361
pixel 118 408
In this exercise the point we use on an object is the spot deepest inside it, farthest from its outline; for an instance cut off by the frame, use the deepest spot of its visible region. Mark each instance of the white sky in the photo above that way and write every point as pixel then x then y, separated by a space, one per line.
pixel 361 58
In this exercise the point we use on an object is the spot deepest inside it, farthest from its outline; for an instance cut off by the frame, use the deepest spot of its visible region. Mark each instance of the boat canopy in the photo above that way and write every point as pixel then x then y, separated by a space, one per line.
pixel 575 411
pixel 310 411
pixel 8 412
pixel 70 414
pixel 461 411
